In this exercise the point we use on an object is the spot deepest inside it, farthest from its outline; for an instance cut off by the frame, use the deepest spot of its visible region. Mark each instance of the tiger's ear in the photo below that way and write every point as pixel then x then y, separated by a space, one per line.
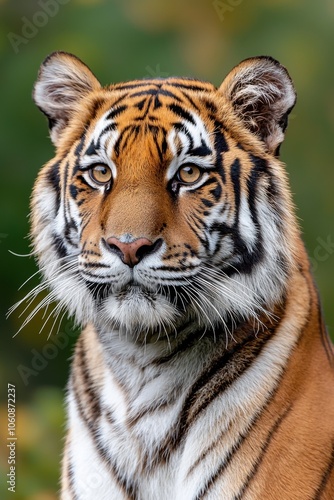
pixel 63 80
pixel 262 95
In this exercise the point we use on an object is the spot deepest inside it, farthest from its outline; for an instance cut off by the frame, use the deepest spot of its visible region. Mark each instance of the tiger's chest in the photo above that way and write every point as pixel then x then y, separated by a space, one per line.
pixel 139 449
pixel 149 432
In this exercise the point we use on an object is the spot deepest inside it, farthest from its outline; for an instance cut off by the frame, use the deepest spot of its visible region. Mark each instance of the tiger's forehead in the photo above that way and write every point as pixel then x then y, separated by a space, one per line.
pixel 162 117
pixel 148 101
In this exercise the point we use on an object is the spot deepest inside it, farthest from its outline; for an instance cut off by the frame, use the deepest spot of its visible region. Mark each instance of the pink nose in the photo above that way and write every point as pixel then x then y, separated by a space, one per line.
pixel 134 252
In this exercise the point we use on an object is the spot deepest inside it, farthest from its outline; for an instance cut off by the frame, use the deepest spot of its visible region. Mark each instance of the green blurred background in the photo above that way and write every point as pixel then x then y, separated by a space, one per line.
pixel 122 40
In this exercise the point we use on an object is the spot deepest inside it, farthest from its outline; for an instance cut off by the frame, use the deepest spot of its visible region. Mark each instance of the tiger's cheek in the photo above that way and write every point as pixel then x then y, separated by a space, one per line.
pixel 89 210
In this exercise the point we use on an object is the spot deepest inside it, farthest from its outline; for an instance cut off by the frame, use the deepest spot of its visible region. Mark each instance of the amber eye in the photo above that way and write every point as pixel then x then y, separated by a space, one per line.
pixel 101 174
pixel 189 174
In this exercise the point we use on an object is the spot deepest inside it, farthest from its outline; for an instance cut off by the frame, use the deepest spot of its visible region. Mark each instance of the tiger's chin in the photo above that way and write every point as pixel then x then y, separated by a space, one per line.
pixel 140 313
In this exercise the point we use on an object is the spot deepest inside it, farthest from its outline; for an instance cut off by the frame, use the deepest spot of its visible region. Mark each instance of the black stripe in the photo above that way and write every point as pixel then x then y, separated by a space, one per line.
pixel 164 144
pixel 231 453
pixel 158 148
pixel 208 182
pixel 73 191
pixel 167 93
pixel 133 131
pixel 116 111
pixel 225 369
pixel 70 475
pixel 80 202
pixel 91 150
pixel 89 252
pixel 53 176
pixel 189 341
pixel 87 220
pixel 189 137
pixel 206 202
pixel 214 477
pixel 97 104
pixel 140 105
pixel 95 265
pixel 182 113
pixel 221 147
pixel 80 146
pixel 210 106
pixel 264 450
pixel 93 410
pixel 59 246
pixel 234 449
pixel 108 128
pixel 216 192
pixel 94 147
pixel 122 483
pixel 202 150
pixel 249 259
pixel 157 102
pixel 178 125
pixel 325 478
pixel 92 424
pixel 152 92
pixel 83 180
pixel 274 197
pixel 229 364
pixel 191 101
pixel 190 86
pixel 126 86
pixel 171 268
pixel 127 133
pixel 70 228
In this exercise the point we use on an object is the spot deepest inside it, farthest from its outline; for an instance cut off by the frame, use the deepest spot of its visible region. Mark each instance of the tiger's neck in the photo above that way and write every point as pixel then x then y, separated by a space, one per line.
pixel 166 370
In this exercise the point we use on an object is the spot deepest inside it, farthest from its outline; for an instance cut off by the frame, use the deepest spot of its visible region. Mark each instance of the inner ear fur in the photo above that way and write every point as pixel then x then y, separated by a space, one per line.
pixel 262 95
pixel 63 80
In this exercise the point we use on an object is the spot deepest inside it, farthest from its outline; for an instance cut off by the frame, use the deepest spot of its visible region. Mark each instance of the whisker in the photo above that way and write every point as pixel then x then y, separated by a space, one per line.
pixel 221 288
pixel 43 268
pixel 46 301
pixel 226 329
pixel 34 252
pixel 193 297
pixel 59 307
pixel 32 294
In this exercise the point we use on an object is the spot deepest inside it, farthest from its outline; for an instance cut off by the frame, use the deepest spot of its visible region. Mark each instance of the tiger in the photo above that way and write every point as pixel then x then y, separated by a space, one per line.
pixel 165 226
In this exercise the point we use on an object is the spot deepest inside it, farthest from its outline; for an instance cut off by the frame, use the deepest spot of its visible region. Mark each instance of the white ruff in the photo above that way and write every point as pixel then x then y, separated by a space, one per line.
pixel 132 381
pixel 138 311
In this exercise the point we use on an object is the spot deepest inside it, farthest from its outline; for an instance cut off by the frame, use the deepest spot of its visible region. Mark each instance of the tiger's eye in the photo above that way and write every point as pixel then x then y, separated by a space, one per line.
pixel 189 174
pixel 101 174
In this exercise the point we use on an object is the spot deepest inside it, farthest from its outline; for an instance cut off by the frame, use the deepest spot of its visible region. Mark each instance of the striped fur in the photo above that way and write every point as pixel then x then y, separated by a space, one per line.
pixel 204 370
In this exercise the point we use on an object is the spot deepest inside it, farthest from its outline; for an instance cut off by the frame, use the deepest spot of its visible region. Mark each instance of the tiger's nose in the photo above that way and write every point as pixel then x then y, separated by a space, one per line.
pixel 133 252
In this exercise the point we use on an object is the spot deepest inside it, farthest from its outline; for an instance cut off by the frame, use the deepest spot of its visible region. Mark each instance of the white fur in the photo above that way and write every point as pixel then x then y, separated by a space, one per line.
pixel 223 422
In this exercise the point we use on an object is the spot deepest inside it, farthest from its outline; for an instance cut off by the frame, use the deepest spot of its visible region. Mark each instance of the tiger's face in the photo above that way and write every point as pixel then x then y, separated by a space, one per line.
pixel 165 202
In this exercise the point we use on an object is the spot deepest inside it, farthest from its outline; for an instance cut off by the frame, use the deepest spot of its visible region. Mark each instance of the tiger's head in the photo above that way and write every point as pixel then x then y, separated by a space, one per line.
pixel 166 202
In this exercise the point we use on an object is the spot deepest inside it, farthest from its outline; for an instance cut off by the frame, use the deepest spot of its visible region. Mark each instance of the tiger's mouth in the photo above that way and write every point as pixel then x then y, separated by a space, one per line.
pixel 136 307
pixel 132 289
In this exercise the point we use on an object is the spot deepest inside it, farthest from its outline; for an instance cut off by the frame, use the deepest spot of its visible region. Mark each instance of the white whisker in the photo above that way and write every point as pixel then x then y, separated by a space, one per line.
pixel 34 252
